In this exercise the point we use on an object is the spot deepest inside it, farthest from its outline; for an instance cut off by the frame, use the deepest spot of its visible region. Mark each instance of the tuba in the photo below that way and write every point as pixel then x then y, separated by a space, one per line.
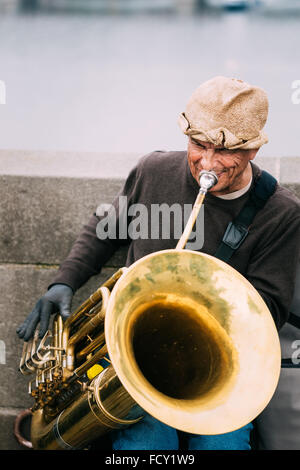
pixel 185 338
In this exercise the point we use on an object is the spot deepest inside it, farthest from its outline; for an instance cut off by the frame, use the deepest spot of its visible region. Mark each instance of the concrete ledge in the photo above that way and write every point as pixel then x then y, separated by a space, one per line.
pixel 42 216
pixel 67 164
pixel 46 199
pixel 290 170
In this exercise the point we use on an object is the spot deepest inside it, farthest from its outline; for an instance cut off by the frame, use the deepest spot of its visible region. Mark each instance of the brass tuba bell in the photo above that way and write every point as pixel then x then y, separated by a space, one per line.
pixel 192 342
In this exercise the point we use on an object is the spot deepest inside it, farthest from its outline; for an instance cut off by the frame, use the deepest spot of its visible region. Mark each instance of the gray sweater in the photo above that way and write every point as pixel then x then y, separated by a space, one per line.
pixel 267 258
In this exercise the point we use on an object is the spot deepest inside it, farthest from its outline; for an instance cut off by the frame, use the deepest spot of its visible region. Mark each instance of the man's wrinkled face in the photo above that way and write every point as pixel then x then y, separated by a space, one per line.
pixel 231 166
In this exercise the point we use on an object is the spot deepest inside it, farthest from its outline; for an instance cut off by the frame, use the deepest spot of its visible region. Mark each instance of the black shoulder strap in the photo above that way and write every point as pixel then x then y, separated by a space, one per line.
pixel 238 229
pixel 294 318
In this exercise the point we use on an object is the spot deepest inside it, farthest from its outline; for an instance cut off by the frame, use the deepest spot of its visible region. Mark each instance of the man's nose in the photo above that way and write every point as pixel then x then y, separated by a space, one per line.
pixel 208 158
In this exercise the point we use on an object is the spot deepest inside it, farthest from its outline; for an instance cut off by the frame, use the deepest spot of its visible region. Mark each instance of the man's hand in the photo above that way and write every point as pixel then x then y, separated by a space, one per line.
pixel 57 299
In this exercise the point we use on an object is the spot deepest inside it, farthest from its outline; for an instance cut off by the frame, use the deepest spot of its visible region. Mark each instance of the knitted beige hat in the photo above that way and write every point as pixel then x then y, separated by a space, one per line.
pixel 228 112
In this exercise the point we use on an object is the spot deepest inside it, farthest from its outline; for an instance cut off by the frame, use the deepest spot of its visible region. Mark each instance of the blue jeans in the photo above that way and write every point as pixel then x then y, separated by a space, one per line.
pixel 150 434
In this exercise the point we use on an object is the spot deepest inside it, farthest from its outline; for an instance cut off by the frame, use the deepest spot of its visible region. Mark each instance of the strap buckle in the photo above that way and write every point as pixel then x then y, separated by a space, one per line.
pixel 235 235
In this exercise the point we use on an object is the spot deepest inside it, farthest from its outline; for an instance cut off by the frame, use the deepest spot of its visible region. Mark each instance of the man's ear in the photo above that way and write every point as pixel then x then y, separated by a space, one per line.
pixel 252 153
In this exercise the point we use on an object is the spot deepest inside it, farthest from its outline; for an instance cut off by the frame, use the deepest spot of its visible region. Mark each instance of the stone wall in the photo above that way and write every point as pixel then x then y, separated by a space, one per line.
pixel 45 200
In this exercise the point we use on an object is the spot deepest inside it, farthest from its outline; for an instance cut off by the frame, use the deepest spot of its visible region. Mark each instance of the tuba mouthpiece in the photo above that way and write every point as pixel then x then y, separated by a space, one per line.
pixel 207 179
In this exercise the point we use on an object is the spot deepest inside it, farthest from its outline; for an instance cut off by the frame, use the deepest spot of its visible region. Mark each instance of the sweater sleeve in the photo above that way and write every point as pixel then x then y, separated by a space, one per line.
pixel 273 266
pixel 91 250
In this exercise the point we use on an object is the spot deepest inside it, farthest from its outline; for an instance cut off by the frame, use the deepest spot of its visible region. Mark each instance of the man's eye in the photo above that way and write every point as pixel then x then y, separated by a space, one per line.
pixel 198 144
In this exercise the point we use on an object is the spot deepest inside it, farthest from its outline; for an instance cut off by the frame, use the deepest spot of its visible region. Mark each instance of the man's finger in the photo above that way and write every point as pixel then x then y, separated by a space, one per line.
pixel 47 308
pixel 21 330
pixel 32 322
pixel 65 312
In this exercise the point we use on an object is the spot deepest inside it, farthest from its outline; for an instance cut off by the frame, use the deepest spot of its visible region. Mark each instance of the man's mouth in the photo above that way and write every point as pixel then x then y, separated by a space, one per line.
pixel 219 173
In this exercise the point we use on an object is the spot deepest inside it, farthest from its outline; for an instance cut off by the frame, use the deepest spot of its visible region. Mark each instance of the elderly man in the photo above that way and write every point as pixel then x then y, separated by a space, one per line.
pixel 224 122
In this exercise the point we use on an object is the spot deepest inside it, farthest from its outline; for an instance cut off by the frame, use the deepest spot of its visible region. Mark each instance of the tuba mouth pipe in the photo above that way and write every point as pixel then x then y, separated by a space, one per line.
pixel 207 179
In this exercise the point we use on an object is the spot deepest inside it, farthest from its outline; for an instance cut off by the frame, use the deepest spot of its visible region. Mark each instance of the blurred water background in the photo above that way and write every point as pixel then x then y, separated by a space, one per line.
pixel 112 76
